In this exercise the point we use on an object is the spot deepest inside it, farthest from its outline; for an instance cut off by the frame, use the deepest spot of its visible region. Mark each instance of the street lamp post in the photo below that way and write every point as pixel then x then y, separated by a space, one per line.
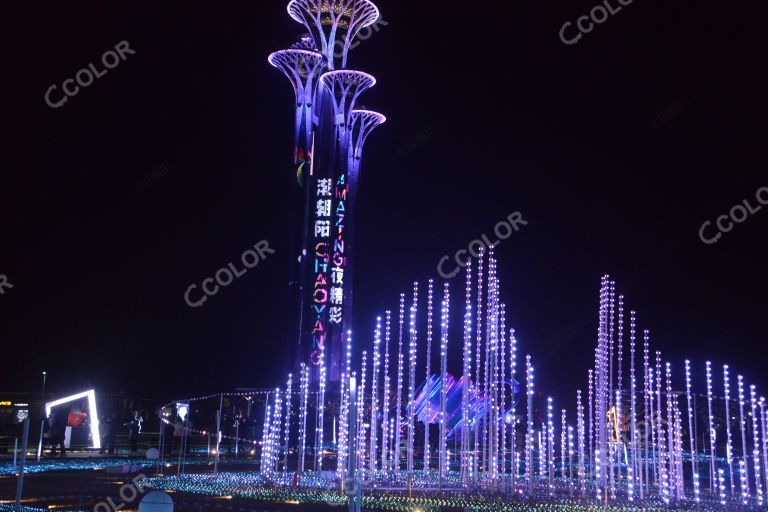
pixel 42 422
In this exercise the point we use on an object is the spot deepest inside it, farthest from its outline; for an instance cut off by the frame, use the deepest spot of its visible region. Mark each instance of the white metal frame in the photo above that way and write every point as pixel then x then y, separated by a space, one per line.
pixel 92 411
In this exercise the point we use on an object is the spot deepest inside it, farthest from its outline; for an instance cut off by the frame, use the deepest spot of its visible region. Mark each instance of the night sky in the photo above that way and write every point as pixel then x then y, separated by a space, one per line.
pixel 616 150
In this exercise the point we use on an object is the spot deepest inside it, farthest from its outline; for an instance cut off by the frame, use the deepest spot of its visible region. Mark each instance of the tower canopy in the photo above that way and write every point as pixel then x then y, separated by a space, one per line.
pixel 363 123
pixel 345 88
pixel 334 24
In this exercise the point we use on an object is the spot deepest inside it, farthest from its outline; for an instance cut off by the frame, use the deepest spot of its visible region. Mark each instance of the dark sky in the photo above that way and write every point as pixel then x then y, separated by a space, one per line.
pixel 574 137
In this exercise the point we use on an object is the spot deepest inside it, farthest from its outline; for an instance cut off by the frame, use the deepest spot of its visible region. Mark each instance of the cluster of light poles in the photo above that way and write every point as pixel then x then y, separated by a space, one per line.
pixel 654 460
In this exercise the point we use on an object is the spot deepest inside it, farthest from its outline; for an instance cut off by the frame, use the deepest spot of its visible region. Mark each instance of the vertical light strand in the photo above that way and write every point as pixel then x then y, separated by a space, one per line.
pixel 617 441
pixel 341 442
pixel 551 446
pixel 591 432
pixel 513 430
pixel 387 397
pixel 266 445
pixel 581 442
pixel 492 374
pixel 344 440
pixel 570 460
pixel 764 427
pixel 729 435
pixel 657 429
pixel 721 483
pixel 743 426
pixel 679 439
pixel 360 439
pixel 412 379
pixel 670 462
pixel 287 431
pixel 488 384
pixel 605 379
pixel 646 407
pixel 466 388
pixel 756 447
pixel 392 447
pixel 711 427
pixel 601 388
pixel 304 412
pixel 427 381
pixel 373 456
pixel 637 474
pixel 620 345
pixel 264 467
pixel 397 450
pixel 444 318
pixel 663 485
pixel 612 446
pixel 652 416
pixel 502 390
pixel 744 482
pixel 529 426
pixel 692 435
pixel 274 448
pixel 620 383
pixel 543 456
pixel 563 445
pixel 480 403
pixel 319 426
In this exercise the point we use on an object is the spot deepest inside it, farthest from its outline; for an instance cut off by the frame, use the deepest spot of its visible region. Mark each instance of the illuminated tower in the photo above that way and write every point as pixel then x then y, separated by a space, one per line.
pixel 302 66
pixel 330 133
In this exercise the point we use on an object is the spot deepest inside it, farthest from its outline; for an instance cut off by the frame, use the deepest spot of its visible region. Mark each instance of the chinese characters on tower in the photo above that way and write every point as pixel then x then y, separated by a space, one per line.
pixel 330 262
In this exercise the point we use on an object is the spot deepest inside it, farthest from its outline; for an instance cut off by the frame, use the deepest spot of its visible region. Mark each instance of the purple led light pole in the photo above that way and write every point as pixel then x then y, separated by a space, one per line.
pixel 427 390
pixel 397 451
pixel 412 380
pixel 478 356
pixel 303 424
pixel 320 427
pixel 729 440
pixel 373 456
pixel 563 446
pixel 764 427
pixel 445 311
pixel 743 426
pixel 580 434
pixel 513 413
pixel 344 437
pixel 529 429
pixel 386 398
pixel 288 399
pixel 465 395
pixel 692 435
pixel 591 432
pixel 502 391
pixel 756 446
pixel 637 474
pixel 360 439
pixel 712 442
pixel 646 407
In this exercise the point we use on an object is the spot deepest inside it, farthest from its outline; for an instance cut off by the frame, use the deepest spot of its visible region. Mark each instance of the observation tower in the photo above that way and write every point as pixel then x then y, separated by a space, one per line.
pixel 330 131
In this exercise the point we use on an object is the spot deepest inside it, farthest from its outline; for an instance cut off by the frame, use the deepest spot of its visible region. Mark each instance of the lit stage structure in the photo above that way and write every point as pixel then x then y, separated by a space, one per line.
pixel 632 438
pixel 330 132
